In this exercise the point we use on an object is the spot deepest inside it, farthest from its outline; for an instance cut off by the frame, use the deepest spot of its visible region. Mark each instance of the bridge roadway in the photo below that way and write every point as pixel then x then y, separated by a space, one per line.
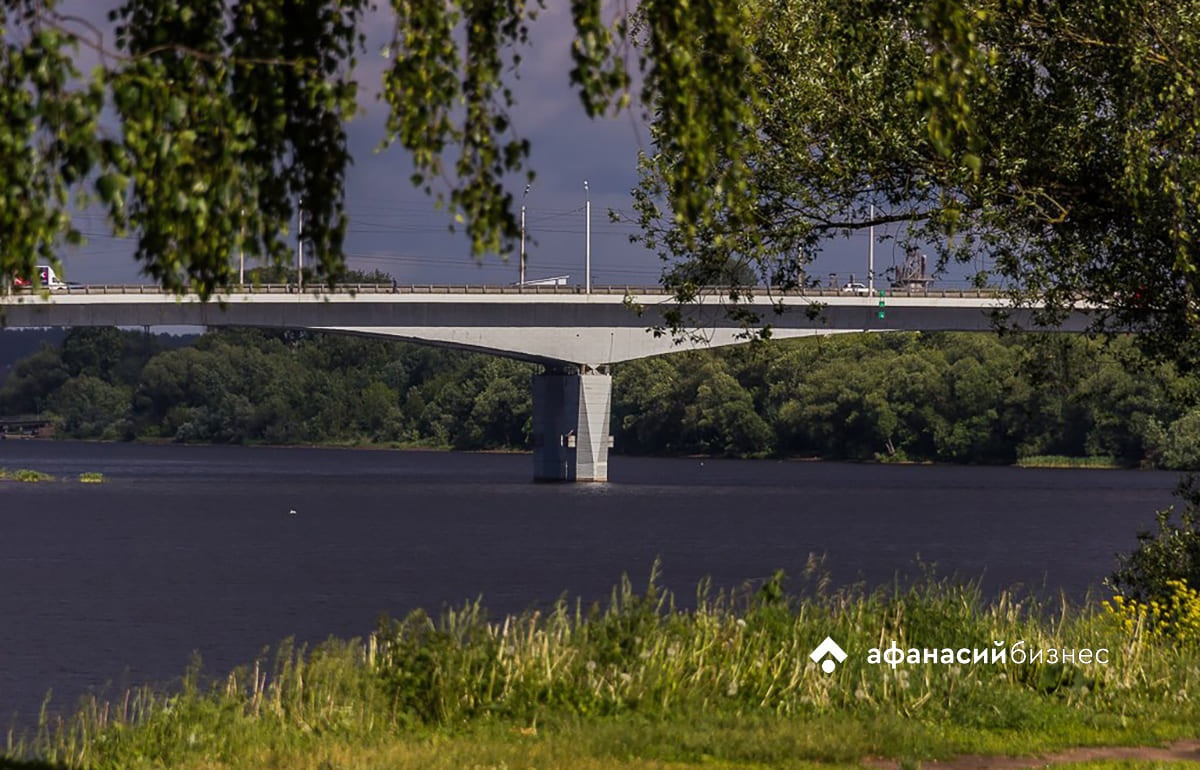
pixel 575 336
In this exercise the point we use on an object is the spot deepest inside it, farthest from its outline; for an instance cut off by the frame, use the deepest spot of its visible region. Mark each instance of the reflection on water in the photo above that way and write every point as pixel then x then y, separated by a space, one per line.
pixel 195 548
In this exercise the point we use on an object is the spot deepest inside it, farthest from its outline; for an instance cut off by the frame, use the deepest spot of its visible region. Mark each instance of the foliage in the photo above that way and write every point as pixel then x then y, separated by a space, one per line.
pixel 775 127
pixel 918 115
pixel 91 408
pixel 25 475
pixel 228 119
pixel 244 386
pixel 1060 461
pixel 1177 615
pixel 1172 553
pixel 1181 444
pixel 964 398
pixel 33 380
pixel 49 141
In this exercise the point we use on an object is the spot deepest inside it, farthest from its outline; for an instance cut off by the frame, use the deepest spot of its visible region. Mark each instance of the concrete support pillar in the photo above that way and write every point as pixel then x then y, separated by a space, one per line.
pixel 571 412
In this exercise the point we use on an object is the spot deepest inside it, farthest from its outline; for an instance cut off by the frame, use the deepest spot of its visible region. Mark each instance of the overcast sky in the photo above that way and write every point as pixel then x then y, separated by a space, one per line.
pixel 396 228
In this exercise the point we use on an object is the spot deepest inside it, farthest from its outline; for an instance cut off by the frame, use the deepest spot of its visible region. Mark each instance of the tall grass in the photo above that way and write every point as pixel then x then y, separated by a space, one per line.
pixel 1066 461
pixel 24 475
pixel 731 657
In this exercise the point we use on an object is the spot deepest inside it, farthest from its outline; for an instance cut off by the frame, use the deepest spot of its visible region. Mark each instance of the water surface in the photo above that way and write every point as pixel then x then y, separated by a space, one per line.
pixel 196 548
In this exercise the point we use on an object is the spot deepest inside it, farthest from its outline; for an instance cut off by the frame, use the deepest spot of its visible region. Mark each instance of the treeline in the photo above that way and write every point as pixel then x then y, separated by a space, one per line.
pixel 961 398
pixel 966 398
pixel 16 344
pixel 245 386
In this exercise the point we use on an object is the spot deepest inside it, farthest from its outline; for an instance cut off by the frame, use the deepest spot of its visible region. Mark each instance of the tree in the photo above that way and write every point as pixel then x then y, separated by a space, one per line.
pixel 33 379
pixel 89 407
pixel 925 110
pixel 229 116
pixel 721 419
pixel 648 404
pixel 1170 553
pixel 93 350
pixel 1182 443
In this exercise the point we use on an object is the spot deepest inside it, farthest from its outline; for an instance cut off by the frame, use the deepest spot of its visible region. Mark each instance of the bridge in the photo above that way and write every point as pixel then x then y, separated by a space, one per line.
pixel 575 336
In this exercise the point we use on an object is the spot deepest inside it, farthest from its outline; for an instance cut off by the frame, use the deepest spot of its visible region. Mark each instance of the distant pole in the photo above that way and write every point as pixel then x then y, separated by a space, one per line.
pixel 871 255
pixel 587 264
pixel 300 249
pixel 521 282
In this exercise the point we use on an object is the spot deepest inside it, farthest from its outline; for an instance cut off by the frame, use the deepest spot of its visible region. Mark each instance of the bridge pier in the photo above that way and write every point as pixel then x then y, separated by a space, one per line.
pixel 571 412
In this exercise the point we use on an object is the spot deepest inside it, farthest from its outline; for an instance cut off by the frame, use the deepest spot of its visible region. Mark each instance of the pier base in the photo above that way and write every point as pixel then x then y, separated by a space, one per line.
pixel 571 412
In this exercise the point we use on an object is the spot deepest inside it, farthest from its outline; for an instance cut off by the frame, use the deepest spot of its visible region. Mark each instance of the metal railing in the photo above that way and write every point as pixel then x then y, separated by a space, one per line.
pixel 757 292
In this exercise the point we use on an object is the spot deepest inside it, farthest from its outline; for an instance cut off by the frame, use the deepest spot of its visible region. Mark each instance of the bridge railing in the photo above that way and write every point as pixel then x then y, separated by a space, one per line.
pixel 760 292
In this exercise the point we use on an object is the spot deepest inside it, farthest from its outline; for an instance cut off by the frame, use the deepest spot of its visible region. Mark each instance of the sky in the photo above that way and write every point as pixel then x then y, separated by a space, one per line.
pixel 396 228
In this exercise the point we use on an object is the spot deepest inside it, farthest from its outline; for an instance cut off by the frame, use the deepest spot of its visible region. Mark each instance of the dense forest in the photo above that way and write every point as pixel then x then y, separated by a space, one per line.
pixel 966 398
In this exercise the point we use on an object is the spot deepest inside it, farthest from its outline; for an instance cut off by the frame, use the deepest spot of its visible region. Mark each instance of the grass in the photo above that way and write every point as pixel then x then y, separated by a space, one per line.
pixel 31 476
pixel 1063 461
pixel 639 683
pixel 24 475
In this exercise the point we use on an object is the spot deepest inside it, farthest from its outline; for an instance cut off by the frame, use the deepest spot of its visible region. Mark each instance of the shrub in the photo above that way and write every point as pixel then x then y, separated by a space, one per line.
pixel 1181 449
pixel 1155 583
pixel 25 475
pixel 1178 615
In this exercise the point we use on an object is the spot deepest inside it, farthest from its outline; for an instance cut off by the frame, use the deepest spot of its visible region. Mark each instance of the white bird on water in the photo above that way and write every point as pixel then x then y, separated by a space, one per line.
pixel 292 512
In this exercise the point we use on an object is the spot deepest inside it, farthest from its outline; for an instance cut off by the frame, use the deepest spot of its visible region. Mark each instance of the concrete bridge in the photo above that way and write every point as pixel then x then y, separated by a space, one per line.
pixel 575 336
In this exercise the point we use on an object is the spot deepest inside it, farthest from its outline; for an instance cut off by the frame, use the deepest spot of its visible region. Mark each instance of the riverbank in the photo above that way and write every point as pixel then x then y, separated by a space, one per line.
pixel 929 672
pixel 1033 461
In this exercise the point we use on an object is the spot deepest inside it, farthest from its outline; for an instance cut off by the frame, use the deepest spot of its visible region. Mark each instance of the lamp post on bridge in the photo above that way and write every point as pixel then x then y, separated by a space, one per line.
pixel 300 247
pixel 871 254
pixel 521 269
pixel 587 264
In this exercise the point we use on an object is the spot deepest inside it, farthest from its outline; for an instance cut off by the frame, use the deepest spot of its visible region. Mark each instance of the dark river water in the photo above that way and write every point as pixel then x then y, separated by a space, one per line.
pixel 197 549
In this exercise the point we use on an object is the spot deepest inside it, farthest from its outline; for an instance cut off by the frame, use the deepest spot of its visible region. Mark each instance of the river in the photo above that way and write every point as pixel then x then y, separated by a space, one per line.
pixel 225 550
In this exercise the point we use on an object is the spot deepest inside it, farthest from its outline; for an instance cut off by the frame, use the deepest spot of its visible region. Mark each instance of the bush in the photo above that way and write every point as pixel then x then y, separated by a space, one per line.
pixel 1181 449
pixel 1153 571
pixel 1177 616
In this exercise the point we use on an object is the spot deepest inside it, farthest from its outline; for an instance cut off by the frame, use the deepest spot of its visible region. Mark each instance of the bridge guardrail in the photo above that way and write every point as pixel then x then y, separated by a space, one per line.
pixel 760 292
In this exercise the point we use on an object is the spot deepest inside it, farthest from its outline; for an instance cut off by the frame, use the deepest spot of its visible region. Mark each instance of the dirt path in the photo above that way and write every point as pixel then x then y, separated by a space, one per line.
pixel 1182 751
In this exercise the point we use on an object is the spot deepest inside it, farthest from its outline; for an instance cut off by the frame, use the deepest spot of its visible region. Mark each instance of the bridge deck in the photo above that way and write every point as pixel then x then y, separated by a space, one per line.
pixel 547 324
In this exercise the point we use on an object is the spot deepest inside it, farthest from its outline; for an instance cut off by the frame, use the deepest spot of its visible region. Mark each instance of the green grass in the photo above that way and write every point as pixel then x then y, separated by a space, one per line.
pixel 1063 461
pixel 24 475
pixel 31 476
pixel 638 683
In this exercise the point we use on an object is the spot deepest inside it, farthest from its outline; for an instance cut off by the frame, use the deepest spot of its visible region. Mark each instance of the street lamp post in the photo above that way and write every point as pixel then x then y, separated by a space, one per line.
pixel 300 248
pixel 871 255
pixel 521 272
pixel 242 251
pixel 587 264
